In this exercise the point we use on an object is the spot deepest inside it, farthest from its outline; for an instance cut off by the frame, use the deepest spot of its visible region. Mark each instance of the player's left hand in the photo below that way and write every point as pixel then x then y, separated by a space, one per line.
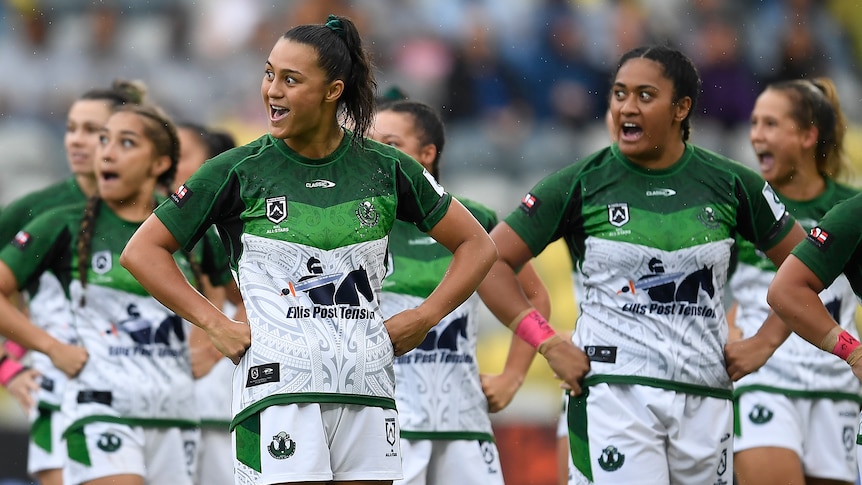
pixel 407 330
pixel 744 356
pixel 499 390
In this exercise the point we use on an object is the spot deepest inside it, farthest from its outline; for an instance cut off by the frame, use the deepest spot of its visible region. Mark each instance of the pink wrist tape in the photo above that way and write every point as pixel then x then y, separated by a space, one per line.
pixel 8 369
pixel 534 329
pixel 846 343
pixel 14 349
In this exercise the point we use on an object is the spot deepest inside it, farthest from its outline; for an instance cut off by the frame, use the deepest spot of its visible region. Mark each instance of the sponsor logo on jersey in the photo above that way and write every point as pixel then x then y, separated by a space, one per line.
pixel 181 196
pixel 367 214
pixel 391 435
pixel 760 414
pixel 819 238
pixel 109 442
pixel 618 214
pixel 611 459
pixel 276 209
pixel 849 435
pixel 21 240
pixel 530 204
pixel 332 295
pixel 671 293
pixel 281 447
pixel 661 193
pixel 262 374
pixel 422 241
pixel 598 353
pixel 707 217
pixel 101 262
pixel 319 184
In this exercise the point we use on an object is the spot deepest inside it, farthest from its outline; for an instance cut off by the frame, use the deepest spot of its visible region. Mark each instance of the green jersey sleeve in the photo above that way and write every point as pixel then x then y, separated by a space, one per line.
pixel 41 245
pixel 835 245
pixel 762 217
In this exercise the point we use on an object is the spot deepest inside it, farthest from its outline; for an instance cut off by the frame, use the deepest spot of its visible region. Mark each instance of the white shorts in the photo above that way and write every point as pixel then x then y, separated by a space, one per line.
pixel 102 449
pixel 821 431
pixel 215 457
pixel 450 461
pixel 317 442
pixel 46 450
pixel 649 436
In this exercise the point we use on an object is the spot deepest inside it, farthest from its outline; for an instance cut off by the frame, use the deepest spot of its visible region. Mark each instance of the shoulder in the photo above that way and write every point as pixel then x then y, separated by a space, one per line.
pixel 484 214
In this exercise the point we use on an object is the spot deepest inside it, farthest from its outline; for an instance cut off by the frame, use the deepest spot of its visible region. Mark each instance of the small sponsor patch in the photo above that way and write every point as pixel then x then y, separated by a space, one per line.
pixel 598 353
pixel 530 204
pixel 618 214
pixel 820 238
pixel 320 184
pixel 21 240
pixel 262 374
pixel 181 196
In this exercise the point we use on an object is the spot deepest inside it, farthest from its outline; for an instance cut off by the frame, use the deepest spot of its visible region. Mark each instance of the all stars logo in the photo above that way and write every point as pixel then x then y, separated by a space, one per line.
pixel 618 214
pixel 276 209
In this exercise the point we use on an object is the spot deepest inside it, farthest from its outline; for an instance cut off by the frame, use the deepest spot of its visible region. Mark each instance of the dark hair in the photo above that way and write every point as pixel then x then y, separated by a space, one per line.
pixel 427 123
pixel 341 56
pixel 815 103
pixel 162 131
pixel 121 92
pixel 678 68
pixel 215 141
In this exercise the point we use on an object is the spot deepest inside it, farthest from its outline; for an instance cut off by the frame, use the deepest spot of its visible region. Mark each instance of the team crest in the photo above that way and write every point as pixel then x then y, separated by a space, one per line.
pixel 618 214
pixel 109 442
pixel 391 434
pixel 366 213
pixel 101 262
pixel 611 459
pixel 281 447
pixel 276 209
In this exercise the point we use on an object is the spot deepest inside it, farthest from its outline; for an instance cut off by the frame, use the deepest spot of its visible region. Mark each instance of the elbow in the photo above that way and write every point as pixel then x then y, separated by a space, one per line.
pixel 127 259
pixel 490 255
pixel 774 297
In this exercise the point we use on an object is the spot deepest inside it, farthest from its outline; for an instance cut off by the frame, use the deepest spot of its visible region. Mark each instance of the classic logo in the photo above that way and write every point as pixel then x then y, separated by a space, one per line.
pixel 366 214
pixel 181 196
pixel 276 209
pixel 319 184
pixel 109 442
pixel 660 193
pixel 611 459
pixel 618 214
pixel 530 204
pixel 21 239
pixel 708 218
pixel 101 262
pixel 819 238
pixel 760 414
pixel 281 447
pixel 422 241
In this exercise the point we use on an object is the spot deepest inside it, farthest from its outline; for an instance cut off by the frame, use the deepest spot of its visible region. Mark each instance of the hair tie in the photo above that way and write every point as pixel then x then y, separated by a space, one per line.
pixel 334 24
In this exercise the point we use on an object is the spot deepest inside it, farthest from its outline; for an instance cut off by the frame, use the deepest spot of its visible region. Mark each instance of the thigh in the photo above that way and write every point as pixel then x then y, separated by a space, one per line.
pixel 100 450
pixel 830 440
pixel 46 450
pixel 470 461
pixel 700 440
pixel 616 438
pixel 755 466
pixel 415 460
pixel 365 442
pixel 282 443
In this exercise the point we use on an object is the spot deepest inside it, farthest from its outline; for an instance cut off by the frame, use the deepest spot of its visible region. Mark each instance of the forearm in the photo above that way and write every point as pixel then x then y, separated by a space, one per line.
pixel 15 326
pixel 502 293
pixel 154 267
pixel 773 331
pixel 469 265
pixel 519 359
pixel 803 313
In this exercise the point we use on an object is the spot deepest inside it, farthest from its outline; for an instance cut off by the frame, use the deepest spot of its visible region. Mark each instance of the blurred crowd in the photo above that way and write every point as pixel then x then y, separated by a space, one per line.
pixel 522 83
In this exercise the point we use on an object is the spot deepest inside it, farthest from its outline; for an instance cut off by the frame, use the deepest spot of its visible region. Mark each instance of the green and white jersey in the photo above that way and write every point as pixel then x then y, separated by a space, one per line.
pixel 796 368
pixel 653 247
pixel 834 246
pixel 438 390
pixel 138 370
pixel 307 239
pixel 48 306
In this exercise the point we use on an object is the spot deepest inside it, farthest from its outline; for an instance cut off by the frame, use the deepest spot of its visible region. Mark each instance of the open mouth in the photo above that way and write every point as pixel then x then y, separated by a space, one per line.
pixel 277 113
pixel 766 161
pixel 108 176
pixel 630 131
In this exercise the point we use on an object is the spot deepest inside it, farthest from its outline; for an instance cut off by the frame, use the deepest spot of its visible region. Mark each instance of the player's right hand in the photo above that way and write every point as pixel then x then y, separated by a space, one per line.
pixel 569 363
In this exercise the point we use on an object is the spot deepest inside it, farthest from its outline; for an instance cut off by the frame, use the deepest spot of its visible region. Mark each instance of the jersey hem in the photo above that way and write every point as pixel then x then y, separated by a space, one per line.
pixel 661 384
pixel 447 435
pixel 311 397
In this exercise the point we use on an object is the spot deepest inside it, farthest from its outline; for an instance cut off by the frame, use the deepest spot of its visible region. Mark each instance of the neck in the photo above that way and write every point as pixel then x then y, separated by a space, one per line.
pixel 663 159
pixel 134 209
pixel 87 184
pixel 320 144
pixel 802 185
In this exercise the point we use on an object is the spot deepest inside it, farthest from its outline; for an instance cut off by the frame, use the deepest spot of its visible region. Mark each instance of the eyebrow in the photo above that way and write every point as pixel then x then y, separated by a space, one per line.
pixel 282 71
pixel 640 87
